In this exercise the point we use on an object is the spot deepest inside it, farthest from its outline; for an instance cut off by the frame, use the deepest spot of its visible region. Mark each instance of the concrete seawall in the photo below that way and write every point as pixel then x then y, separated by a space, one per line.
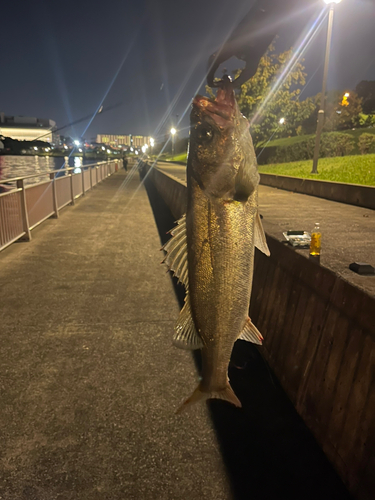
pixel 353 194
pixel 320 341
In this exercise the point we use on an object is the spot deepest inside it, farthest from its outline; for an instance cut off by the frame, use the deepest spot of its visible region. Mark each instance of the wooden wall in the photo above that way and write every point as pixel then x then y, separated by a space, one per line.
pixel 319 339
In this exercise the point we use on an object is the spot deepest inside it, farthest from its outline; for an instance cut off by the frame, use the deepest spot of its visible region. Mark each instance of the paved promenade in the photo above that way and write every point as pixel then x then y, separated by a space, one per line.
pixel 89 380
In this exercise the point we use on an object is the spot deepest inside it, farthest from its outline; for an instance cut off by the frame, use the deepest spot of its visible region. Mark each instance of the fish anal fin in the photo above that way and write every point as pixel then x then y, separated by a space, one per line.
pixel 225 394
pixel 250 333
pixel 259 237
pixel 186 335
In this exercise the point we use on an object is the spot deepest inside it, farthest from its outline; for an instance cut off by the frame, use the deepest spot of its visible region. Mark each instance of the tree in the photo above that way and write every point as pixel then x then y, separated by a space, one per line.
pixel 366 90
pixel 340 113
pixel 264 102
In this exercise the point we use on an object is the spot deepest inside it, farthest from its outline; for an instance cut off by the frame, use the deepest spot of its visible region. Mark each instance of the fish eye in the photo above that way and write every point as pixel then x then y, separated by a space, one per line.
pixel 204 132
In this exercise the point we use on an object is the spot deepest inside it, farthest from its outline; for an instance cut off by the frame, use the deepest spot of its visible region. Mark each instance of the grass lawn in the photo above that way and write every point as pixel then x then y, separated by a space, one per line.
pixel 352 169
pixel 181 157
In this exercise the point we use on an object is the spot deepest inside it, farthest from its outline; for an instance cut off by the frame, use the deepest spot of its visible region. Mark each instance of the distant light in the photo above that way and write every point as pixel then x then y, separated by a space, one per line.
pixel 346 94
pixel 152 142
pixel 108 150
pixel 143 149
pixel 76 143
pixel 282 121
pixel 136 152
pixel 173 131
pixel 131 149
pixel 146 146
pixel 331 1
pixel 103 148
pixel 65 147
pixel 36 149
pixel 80 150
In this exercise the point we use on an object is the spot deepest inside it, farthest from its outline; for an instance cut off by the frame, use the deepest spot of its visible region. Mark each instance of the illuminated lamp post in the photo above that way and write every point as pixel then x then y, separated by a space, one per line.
pixel 320 123
pixel 173 132
pixel 152 142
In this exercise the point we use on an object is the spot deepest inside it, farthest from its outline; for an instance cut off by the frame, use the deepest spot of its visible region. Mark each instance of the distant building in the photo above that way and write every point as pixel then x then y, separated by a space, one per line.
pixel 137 141
pixel 27 128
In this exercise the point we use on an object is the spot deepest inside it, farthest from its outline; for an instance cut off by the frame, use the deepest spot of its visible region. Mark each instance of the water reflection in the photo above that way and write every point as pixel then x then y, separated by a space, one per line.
pixel 20 166
pixel 77 165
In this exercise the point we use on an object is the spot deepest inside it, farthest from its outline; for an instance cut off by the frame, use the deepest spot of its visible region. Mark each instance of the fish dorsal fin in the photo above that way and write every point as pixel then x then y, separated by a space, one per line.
pixel 186 336
pixel 176 248
pixel 259 237
pixel 250 333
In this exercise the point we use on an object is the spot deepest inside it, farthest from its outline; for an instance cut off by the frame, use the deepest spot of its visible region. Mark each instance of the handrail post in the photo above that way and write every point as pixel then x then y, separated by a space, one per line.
pixel 96 168
pixel 83 180
pixel 25 217
pixel 71 188
pixel 54 196
pixel 90 177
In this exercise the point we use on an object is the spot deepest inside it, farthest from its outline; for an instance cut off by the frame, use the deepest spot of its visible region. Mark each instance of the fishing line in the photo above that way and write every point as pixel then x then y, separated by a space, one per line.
pixel 101 102
pixel 307 39
pixel 298 98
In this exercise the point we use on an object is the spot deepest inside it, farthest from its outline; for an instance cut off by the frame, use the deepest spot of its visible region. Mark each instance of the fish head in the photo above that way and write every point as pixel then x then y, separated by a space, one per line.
pixel 221 154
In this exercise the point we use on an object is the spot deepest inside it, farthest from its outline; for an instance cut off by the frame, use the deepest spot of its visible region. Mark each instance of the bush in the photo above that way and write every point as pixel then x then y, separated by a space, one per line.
pixel 365 142
pixel 332 144
pixel 336 144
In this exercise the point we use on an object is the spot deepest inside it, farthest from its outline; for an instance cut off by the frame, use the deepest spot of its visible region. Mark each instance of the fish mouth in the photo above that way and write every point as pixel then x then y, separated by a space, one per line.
pixel 221 110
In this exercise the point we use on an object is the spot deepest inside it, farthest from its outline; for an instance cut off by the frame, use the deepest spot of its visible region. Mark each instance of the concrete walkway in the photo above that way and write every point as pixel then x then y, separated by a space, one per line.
pixel 89 380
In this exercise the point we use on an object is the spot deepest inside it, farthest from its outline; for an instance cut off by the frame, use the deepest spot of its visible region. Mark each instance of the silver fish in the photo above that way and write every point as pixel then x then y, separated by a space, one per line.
pixel 212 248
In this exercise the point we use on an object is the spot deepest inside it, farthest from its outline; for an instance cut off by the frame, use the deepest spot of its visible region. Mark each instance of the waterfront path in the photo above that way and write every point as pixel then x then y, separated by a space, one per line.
pixel 89 380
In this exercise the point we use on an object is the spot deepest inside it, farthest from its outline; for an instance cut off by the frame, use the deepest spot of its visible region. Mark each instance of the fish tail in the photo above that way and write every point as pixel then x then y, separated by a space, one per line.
pixel 199 394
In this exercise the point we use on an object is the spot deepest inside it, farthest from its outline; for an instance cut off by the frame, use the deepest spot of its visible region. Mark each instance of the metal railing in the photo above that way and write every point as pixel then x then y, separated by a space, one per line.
pixel 24 207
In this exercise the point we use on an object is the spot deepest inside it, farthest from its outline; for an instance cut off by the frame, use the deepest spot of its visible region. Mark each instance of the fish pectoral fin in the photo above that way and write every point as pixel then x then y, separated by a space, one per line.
pixel 250 333
pixel 176 248
pixel 199 394
pixel 259 237
pixel 186 336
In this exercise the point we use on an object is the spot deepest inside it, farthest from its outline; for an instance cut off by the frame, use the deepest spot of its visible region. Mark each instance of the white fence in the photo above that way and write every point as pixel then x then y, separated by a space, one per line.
pixel 24 207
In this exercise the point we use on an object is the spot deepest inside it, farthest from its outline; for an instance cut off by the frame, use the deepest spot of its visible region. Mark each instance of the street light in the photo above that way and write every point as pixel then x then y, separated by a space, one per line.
pixel 173 132
pixel 282 121
pixel 320 123
pixel 152 142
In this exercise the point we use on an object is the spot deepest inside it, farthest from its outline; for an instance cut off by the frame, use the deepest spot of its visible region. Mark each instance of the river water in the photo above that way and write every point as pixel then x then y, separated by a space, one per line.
pixel 19 166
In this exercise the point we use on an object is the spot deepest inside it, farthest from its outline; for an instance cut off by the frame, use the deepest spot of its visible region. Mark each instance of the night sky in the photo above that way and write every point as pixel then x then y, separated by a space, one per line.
pixel 58 59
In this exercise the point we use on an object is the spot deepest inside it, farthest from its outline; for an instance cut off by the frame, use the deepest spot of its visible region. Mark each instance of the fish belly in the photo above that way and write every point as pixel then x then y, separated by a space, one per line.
pixel 220 236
